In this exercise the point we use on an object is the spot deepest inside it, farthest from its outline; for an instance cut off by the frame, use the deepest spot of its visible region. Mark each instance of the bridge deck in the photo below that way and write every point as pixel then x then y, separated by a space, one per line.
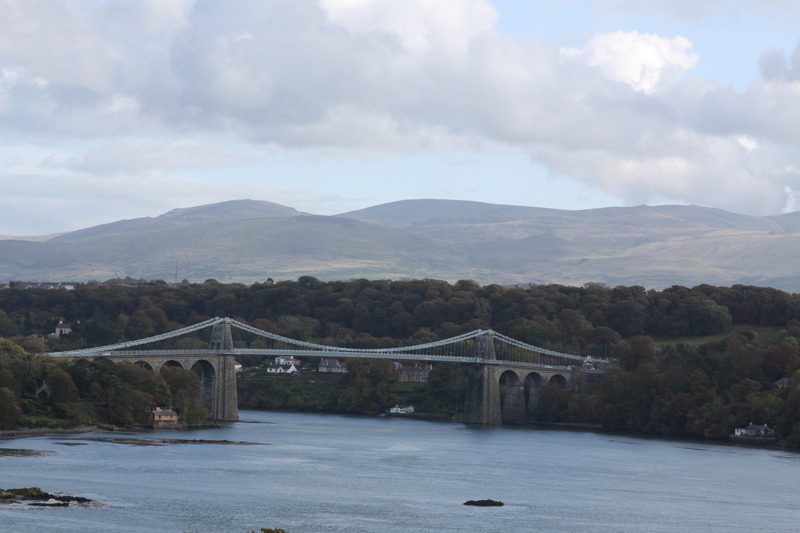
pixel 458 349
pixel 430 358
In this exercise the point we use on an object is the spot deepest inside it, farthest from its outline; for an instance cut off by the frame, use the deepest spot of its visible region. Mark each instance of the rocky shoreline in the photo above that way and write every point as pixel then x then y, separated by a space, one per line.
pixel 23 433
pixel 36 497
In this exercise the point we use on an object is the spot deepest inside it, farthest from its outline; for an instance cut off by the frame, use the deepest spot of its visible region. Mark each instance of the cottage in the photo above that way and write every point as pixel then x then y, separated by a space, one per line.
pixel 755 430
pixel 276 368
pixel 783 383
pixel 412 373
pixel 63 328
pixel 402 410
pixel 288 360
pixel 332 365
pixel 163 418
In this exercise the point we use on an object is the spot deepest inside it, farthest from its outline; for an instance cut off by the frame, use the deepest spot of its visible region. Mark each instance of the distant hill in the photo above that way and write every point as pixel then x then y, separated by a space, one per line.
pixel 651 246
pixel 221 212
pixel 247 241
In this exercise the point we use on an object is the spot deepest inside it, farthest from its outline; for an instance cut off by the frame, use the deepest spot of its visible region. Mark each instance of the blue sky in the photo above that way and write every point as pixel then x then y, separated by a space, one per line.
pixel 121 109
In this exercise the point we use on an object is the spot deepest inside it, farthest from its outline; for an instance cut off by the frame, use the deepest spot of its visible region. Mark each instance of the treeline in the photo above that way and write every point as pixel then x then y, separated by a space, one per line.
pixel 682 390
pixel 366 388
pixel 666 383
pixel 588 319
pixel 37 391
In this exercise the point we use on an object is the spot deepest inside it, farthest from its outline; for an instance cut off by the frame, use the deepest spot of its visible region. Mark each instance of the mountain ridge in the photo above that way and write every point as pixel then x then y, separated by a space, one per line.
pixel 249 240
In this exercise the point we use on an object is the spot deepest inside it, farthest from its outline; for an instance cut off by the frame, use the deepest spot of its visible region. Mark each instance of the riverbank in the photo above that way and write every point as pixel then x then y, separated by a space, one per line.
pixel 23 433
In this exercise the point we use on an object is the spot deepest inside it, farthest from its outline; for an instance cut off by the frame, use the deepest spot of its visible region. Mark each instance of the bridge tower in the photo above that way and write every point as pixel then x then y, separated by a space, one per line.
pixel 482 405
pixel 221 387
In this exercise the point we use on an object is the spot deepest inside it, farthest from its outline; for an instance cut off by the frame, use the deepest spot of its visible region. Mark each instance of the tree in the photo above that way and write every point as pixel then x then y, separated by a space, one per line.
pixel 144 380
pixel 16 366
pixel 7 326
pixel 185 388
pixel 784 360
pixel 698 315
pixel 9 409
pixel 553 405
pixel 601 339
pixel 639 350
pixel 62 388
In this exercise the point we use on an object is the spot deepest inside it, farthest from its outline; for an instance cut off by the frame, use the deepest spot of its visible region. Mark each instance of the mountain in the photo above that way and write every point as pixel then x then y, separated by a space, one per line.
pixel 215 213
pixel 650 246
pixel 247 241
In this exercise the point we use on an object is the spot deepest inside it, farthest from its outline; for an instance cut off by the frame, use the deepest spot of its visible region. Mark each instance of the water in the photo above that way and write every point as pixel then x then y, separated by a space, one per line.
pixel 327 473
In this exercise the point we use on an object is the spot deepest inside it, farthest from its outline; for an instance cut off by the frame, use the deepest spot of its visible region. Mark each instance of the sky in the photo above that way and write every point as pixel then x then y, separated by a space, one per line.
pixel 118 109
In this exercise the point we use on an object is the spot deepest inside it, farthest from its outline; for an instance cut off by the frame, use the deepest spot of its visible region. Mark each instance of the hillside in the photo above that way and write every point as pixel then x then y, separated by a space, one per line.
pixel 214 213
pixel 247 241
pixel 651 246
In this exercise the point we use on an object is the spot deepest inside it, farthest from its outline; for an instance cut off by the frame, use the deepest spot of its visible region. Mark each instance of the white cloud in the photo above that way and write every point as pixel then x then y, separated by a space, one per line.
pixel 747 142
pixel 428 31
pixel 702 10
pixel 646 62
pixel 155 87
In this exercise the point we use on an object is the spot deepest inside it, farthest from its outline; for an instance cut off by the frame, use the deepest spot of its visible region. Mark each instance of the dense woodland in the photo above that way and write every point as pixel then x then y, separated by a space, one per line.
pixel 693 362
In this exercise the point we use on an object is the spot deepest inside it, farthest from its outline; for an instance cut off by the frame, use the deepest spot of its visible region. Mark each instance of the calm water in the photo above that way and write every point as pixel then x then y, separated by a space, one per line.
pixel 326 473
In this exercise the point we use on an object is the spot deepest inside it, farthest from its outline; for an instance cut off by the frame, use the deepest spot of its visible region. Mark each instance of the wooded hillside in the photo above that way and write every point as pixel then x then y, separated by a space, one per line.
pixel 692 361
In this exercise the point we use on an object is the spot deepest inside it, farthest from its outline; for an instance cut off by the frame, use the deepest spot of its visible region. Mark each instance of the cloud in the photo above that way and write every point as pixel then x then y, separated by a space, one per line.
pixel 644 61
pixel 775 67
pixel 438 31
pixel 693 10
pixel 143 88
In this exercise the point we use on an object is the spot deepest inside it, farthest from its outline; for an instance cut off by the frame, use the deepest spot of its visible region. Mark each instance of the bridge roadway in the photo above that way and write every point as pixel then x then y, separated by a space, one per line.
pixel 356 354
pixel 215 366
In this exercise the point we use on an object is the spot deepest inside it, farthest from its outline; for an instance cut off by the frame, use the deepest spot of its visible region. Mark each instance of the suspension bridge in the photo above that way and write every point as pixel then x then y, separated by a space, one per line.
pixel 210 349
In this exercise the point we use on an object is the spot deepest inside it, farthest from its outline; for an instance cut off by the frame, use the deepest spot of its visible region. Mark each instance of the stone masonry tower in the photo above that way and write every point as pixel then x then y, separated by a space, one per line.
pixel 224 404
pixel 482 405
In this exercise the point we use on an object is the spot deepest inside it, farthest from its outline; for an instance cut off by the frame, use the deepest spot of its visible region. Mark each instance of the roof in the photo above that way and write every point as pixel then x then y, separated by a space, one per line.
pixel 164 411
pixel 412 368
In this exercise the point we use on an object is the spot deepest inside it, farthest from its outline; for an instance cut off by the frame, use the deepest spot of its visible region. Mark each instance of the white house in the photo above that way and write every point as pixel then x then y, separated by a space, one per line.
pixel 275 368
pixel 402 410
pixel 332 365
pixel 288 360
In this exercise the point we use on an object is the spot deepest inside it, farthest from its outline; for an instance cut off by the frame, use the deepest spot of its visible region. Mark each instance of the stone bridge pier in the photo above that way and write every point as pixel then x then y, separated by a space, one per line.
pixel 216 370
pixel 488 380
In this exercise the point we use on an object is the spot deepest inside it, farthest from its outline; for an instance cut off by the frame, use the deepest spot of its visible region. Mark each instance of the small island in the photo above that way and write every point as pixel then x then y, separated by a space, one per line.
pixel 484 503
pixel 36 497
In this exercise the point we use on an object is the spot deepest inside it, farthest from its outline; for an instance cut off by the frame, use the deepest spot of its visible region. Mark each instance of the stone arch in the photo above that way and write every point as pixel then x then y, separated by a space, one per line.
pixel 145 364
pixel 512 398
pixel 171 363
pixel 208 375
pixel 533 385
pixel 559 380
